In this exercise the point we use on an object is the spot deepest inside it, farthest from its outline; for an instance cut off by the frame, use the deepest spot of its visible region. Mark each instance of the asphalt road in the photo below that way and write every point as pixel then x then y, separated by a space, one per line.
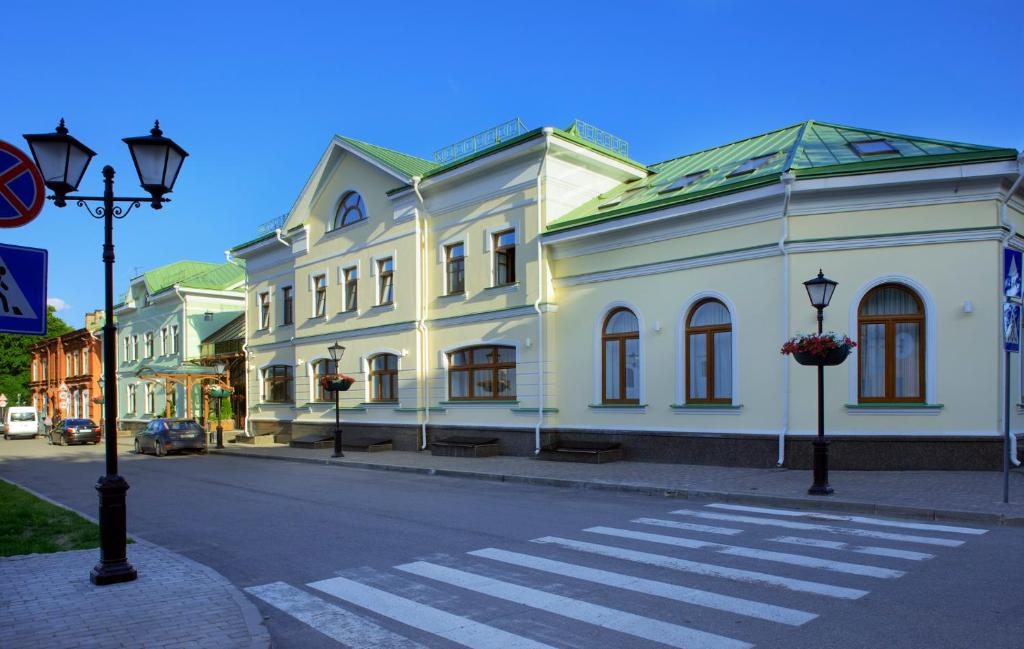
pixel 348 557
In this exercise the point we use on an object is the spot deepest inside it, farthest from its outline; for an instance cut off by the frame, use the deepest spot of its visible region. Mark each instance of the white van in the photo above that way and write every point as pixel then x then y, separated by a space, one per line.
pixel 22 421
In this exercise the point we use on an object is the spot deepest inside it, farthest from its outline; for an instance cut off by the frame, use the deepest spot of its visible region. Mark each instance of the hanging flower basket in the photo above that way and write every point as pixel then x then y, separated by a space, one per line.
pixel 829 348
pixel 336 382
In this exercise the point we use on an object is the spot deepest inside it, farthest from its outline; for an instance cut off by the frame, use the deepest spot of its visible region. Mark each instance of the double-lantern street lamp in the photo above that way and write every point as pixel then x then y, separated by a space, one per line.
pixel 337 351
pixel 217 392
pixel 820 290
pixel 62 159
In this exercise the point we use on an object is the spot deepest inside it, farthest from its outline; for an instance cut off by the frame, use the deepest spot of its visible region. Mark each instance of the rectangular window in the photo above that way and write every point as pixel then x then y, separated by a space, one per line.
pixel 482 373
pixel 85 361
pixel 135 347
pixel 34 370
pixel 277 384
pixel 287 306
pixel 149 344
pixel 131 398
pixel 504 244
pixel 320 303
pixel 264 310
pixel 386 281
pixel 351 288
pixel 752 165
pixel 320 369
pixel 455 267
pixel 67 365
pixel 163 341
pixel 150 398
pixel 174 339
pixel 46 367
pixel 125 356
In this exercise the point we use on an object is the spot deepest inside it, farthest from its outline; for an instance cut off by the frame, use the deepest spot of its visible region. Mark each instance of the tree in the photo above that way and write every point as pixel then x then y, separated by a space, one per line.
pixel 16 361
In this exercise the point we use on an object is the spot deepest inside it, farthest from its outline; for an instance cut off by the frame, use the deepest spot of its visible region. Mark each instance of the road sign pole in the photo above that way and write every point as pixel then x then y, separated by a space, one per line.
pixel 113 566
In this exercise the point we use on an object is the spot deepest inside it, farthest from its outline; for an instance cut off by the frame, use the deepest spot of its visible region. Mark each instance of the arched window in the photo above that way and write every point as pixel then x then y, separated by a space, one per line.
pixel 277 384
pixel 322 368
pixel 890 325
pixel 709 353
pixel 620 350
pixel 484 372
pixel 384 377
pixel 350 210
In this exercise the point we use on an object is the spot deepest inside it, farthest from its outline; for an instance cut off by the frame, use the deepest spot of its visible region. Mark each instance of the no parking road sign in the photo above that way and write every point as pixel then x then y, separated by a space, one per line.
pixel 21 187
pixel 22 290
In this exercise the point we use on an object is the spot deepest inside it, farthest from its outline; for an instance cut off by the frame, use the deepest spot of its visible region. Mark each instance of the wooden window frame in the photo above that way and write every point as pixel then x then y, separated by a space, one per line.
pixel 163 341
pixel 890 322
pixel 147 344
pixel 175 340
pixel 319 393
pixel 508 252
pixel 471 367
pixel 264 311
pixel 346 207
pixel 351 275
pixel 377 377
pixel 271 378
pixel 385 278
pixel 455 267
pixel 287 306
pixel 621 338
pixel 319 296
pixel 709 341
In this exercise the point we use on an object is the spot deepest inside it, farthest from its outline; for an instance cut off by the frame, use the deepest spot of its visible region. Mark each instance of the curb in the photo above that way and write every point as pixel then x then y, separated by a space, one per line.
pixel 847 506
pixel 259 635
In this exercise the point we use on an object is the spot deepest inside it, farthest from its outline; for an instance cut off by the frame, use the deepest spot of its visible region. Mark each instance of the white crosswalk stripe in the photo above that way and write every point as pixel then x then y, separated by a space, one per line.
pixel 818 527
pixel 753 553
pixel 647 628
pixel 859 549
pixel 330 620
pixel 860 520
pixel 706 569
pixel 704 598
pixel 441 623
pixel 690 527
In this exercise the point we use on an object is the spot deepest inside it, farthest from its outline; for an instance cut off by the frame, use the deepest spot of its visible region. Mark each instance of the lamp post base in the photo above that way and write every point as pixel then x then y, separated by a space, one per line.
pixel 820 486
pixel 113 567
pixel 337 443
pixel 220 435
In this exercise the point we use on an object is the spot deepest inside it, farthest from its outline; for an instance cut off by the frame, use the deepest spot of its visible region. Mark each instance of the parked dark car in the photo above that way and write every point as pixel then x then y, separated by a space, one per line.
pixel 164 436
pixel 74 431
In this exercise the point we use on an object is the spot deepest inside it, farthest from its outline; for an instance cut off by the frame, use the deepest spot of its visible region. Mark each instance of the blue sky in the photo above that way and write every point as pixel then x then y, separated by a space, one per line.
pixel 255 90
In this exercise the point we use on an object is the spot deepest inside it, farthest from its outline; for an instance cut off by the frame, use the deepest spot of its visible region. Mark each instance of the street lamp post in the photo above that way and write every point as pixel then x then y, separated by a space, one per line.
pixel 337 351
pixel 219 393
pixel 62 159
pixel 820 290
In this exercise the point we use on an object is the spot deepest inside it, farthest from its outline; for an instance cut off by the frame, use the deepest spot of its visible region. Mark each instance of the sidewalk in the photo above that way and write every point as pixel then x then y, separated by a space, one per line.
pixel 48 601
pixel 950 495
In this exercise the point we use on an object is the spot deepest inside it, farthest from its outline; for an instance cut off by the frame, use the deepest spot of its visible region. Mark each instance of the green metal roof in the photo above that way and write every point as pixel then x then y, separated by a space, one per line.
pixel 220 277
pixel 262 237
pixel 231 331
pixel 807 149
pixel 164 277
pixel 405 164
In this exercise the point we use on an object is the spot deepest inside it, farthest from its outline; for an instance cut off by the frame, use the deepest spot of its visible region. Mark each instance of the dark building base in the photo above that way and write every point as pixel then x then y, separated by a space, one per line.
pixel 889 453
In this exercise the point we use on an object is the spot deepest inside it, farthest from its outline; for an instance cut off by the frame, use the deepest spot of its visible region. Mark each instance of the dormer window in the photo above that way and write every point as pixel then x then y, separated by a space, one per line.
pixel 617 200
pixel 873 147
pixel 350 210
pixel 752 165
pixel 682 182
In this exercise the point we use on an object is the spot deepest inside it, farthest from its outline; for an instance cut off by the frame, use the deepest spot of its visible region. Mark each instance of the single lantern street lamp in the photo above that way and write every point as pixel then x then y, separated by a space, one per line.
pixel 337 351
pixel 820 290
pixel 62 160
pixel 218 393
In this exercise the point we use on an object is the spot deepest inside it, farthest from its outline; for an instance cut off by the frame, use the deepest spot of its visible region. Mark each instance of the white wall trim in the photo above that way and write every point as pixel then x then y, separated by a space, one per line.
pixel 487 316
pixel 930 353
pixel 643 270
pixel 602 314
pixel 681 364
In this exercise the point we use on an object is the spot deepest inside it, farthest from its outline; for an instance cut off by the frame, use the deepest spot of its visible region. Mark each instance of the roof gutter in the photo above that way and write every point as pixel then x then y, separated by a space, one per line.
pixel 1011 230
pixel 245 339
pixel 277 233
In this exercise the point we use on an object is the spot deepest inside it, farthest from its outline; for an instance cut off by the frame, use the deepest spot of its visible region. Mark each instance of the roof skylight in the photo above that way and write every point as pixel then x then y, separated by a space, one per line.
pixel 612 202
pixel 873 147
pixel 752 165
pixel 682 181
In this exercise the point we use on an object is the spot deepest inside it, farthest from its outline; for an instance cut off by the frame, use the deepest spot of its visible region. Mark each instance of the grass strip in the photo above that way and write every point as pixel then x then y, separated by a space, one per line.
pixel 29 525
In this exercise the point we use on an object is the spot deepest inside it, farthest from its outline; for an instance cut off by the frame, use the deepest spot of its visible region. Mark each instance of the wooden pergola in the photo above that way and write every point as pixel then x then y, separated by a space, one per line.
pixel 187 376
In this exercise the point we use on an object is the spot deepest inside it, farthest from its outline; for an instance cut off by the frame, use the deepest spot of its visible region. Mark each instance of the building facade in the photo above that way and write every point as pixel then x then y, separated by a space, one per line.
pixel 550 288
pixel 73 362
pixel 160 327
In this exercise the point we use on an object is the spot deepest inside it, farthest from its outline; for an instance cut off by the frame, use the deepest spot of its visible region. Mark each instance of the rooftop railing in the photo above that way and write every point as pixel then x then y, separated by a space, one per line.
pixel 482 140
pixel 273 224
pixel 601 138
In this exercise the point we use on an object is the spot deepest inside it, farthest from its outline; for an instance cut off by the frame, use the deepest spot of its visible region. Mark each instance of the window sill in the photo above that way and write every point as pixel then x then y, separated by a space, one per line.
pixel 431 409
pixel 503 288
pixel 348 313
pixel 379 404
pixel 388 306
pixel 461 295
pixel 894 408
pixel 480 402
pixel 334 232
pixel 631 407
pixel 533 411
pixel 706 408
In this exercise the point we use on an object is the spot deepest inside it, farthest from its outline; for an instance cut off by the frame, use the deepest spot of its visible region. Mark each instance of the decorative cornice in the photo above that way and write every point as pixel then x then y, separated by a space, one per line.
pixel 378 330
pixel 488 316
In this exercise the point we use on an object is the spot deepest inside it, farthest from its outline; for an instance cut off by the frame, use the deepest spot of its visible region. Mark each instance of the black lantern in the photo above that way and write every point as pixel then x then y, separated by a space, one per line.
pixel 820 290
pixel 157 160
pixel 61 158
pixel 336 351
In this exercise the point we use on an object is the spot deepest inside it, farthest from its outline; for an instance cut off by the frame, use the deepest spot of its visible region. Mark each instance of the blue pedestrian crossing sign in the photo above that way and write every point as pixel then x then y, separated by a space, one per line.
pixel 22 290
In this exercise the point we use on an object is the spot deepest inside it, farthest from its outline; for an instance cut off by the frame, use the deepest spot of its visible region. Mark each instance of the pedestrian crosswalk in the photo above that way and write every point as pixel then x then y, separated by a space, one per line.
pixel 686 585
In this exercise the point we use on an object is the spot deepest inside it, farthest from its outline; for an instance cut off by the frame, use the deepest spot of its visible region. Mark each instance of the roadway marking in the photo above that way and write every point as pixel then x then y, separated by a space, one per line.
pixel 332 621
pixel 609 618
pixel 754 553
pixel 859 549
pixel 441 623
pixel 691 527
pixel 861 520
pixel 736 605
pixel 818 527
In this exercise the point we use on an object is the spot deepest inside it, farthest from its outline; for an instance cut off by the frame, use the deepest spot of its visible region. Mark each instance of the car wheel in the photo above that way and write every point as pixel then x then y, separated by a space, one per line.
pixel 62 441
pixel 159 449
pixel 138 448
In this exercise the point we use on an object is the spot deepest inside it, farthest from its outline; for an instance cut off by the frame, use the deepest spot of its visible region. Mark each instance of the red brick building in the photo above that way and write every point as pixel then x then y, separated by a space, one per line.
pixel 72 360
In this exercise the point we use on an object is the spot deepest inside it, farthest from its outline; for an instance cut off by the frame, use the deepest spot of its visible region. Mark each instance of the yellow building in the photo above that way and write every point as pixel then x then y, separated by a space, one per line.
pixel 542 287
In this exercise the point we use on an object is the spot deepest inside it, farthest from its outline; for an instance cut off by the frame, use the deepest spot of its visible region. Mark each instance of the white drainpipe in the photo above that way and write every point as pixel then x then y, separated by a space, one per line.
pixel 548 131
pixel 1010 232
pixel 277 233
pixel 421 318
pixel 787 179
pixel 245 339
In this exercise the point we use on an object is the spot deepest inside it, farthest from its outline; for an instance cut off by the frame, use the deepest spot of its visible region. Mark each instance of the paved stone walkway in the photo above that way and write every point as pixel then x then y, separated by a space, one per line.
pixel 47 601
pixel 963 495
